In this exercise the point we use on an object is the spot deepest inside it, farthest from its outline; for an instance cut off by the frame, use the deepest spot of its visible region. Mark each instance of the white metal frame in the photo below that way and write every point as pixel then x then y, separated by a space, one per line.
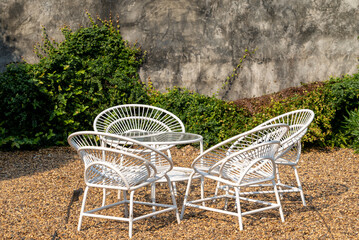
pixel 122 164
pixel 129 118
pixel 139 118
pixel 290 149
pixel 238 162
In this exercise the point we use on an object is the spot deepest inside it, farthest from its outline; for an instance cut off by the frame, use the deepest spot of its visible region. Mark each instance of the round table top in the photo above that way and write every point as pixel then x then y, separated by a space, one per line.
pixel 164 137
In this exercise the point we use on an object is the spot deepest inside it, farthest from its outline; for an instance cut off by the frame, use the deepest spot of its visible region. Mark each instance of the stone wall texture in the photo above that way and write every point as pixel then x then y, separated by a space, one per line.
pixel 197 44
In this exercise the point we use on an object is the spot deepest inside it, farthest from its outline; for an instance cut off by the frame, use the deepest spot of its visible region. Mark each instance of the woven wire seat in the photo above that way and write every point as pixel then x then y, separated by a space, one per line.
pixel 290 149
pixel 115 162
pixel 240 161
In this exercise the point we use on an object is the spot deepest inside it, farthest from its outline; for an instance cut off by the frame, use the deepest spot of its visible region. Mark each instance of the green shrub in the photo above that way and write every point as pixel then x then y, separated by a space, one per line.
pixel 94 68
pixel 345 98
pixel 319 101
pixel 345 93
pixel 331 104
pixel 217 120
pixel 210 117
pixel 351 129
pixel 23 108
pixel 91 70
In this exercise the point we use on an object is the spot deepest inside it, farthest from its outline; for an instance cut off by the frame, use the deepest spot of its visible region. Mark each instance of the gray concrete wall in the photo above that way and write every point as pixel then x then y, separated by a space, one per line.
pixel 197 44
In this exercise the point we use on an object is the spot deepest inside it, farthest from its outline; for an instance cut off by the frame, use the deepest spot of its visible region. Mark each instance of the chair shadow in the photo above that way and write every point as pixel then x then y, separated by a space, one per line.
pixel 149 224
pixel 291 202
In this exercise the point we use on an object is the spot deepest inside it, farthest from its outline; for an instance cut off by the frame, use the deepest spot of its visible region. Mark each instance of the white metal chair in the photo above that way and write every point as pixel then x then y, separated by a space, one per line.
pixel 115 162
pixel 241 161
pixel 290 149
pixel 138 118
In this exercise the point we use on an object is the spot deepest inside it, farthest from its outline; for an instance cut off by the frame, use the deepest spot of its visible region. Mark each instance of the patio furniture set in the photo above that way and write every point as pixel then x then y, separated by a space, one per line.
pixel 129 149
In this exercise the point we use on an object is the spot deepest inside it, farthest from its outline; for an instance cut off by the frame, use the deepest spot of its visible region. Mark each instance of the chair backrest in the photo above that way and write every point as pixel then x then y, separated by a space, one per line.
pixel 106 149
pixel 137 118
pixel 253 164
pixel 298 121
pixel 209 160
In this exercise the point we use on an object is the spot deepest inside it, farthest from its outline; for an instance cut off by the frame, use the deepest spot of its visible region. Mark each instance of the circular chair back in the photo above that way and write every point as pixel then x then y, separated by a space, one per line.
pixel 137 118
pixel 298 121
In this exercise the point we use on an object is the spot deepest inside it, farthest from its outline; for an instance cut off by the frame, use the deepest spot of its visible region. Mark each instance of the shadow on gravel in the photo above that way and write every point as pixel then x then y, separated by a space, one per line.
pixel 22 163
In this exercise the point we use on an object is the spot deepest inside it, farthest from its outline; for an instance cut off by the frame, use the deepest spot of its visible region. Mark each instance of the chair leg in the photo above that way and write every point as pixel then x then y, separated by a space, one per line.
pixel 125 204
pixel 119 195
pixel 278 181
pixel 216 192
pixel 278 200
pixel 131 215
pixel 186 194
pixel 103 197
pixel 238 203
pixel 153 197
pixel 299 185
pixel 82 208
pixel 174 188
pixel 226 201
pixel 202 191
pixel 173 198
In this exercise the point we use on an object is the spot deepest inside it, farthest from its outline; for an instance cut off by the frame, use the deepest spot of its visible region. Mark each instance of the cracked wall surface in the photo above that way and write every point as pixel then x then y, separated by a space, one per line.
pixel 197 44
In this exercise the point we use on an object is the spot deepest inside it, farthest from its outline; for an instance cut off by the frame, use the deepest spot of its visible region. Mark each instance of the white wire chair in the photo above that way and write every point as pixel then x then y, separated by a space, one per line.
pixel 132 119
pixel 290 149
pixel 240 161
pixel 120 163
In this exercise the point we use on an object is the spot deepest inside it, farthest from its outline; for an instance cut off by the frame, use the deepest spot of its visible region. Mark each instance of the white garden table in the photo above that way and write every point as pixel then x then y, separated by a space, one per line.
pixel 155 139
pixel 160 139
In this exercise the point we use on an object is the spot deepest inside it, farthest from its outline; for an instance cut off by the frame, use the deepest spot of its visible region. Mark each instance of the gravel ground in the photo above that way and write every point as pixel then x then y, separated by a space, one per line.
pixel 38 201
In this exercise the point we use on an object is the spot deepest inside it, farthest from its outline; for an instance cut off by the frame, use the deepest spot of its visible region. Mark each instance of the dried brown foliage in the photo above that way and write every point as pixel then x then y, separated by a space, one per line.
pixel 253 105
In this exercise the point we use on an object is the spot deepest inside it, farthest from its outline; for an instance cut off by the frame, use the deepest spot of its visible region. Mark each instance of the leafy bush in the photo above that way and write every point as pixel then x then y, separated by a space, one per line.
pixel 318 100
pixel 345 93
pixel 22 108
pixel 331 104
pixel 345 98
pixel 210 117
pixel 91 70
pixel 217 120
pixel 94 68
pixel 351 127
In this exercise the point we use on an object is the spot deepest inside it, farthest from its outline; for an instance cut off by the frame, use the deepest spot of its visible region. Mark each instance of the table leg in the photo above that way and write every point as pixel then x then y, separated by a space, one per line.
pixel 201 146
pixel 153 197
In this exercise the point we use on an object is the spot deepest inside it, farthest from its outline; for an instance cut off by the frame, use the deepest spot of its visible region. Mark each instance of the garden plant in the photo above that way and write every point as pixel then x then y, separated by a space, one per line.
pixel 94 68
